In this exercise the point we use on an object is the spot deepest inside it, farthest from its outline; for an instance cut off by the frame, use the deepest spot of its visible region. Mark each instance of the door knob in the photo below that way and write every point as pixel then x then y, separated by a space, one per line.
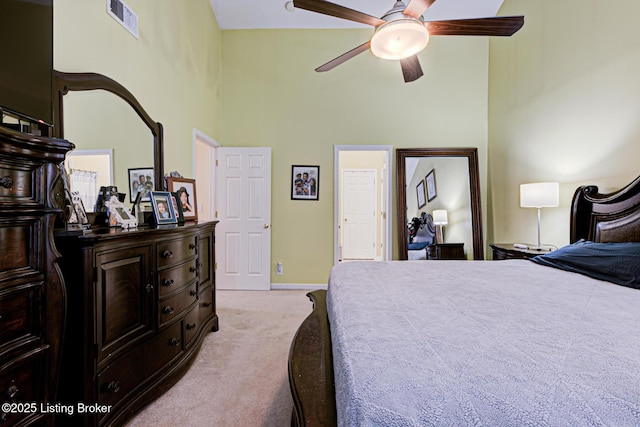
pixel 266 226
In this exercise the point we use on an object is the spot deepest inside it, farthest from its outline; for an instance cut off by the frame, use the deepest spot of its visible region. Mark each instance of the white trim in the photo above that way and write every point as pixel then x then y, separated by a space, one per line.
pixel 386 182
pixel 294 286
pixel 199 135
pixel 97 152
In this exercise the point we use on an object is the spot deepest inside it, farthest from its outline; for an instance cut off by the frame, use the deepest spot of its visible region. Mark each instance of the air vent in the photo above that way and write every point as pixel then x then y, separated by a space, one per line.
pixel 124 15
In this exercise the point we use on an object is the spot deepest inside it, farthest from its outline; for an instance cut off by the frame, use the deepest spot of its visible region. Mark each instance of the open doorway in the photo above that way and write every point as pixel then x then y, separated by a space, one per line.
pixel 362 216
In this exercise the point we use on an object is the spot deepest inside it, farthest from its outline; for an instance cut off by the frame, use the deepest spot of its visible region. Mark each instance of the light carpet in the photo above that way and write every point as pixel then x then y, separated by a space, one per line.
pixel 239 377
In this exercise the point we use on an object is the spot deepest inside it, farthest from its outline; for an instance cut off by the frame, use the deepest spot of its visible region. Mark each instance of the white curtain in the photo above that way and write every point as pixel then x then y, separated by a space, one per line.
pixel 85 183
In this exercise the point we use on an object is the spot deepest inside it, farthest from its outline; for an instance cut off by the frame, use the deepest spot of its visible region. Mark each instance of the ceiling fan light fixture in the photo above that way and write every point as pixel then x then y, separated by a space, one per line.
pixel 399 39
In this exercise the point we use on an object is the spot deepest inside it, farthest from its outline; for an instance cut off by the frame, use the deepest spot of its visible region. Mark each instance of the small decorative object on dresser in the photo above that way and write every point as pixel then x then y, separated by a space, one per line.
pixel 514 251
pixel 440 251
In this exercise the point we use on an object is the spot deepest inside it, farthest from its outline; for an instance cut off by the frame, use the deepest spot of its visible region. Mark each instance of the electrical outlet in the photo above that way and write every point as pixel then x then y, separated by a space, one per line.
pixel 279 269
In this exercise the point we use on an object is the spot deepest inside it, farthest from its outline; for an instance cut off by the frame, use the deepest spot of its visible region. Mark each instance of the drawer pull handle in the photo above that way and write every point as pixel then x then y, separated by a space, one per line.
pixel 207 304
pixel 174 342
pixel 193 293
pixel 192 246
pixel 167 282
pixel 114 386
pixel 149 288
pixel 191 326
pixel 167 254
pixel 167 309
pixel 193 269
pixel 12 391
pixel 7 182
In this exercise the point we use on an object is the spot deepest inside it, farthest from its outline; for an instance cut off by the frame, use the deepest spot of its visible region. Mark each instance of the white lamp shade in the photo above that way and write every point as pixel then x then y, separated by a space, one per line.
pixel 399 39
pixel 540 195
pixel 440 217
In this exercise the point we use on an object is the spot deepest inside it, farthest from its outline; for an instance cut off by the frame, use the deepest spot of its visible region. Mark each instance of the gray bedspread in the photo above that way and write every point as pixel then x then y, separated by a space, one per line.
pixel 457 343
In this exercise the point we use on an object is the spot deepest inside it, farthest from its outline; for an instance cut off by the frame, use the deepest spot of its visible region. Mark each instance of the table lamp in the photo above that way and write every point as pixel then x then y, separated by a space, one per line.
pixel 439 219
pixel 539 195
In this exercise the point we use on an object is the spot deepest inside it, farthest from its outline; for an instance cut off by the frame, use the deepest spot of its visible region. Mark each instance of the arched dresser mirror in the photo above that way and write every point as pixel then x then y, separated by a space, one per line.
pixel 86 110
pixel 441 179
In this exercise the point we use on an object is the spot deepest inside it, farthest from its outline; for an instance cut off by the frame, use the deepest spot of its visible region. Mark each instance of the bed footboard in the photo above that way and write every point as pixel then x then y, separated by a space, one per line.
pixel 311 368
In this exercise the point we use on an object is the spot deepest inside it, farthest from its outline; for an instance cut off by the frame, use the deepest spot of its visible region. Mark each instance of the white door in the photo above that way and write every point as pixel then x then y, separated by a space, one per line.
pixel 243 235
pixel 359 202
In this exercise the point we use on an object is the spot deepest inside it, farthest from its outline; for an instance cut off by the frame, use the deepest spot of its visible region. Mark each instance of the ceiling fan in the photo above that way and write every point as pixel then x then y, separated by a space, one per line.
pixel 402 32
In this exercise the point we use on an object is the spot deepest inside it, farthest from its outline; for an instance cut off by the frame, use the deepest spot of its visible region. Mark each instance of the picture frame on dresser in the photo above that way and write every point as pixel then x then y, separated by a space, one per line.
pixel 185 190
pixel 140 181
pixel 162 207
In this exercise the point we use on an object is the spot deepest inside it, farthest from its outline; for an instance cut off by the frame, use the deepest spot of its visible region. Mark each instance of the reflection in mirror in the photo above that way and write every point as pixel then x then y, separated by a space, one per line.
pixel 99 120
pixel 89 170
pixel 443 180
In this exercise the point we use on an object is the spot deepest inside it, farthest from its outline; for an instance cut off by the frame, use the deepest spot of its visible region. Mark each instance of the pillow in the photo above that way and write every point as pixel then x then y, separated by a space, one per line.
pixel 618 263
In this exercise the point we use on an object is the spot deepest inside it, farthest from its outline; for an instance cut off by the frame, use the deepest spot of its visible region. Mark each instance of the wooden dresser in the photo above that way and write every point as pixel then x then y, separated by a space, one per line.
pixel 31 290
pixel 140 305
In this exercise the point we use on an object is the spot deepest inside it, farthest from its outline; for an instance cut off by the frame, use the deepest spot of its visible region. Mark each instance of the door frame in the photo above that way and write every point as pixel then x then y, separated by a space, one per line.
pixel 386 190
pixel 199 135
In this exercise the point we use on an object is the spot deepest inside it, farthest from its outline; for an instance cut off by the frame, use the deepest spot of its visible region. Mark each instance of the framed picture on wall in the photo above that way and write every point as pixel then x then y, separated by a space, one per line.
pixel 185 189
pixel 305 182
pixel 140 181
pixel 430 179
pixel 420 194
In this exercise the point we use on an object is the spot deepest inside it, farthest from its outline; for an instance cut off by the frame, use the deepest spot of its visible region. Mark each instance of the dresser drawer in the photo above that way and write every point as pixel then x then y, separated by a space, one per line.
pixel 22 381
pixel 18 184
pixel 176 251
pixel 21 243
pixel 173 278
pixel 20 315
pixel 198 315
pixel 173 306
pixel 122 376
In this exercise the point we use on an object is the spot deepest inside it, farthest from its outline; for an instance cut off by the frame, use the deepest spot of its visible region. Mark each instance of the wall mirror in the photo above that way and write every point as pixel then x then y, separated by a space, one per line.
pixel 443 179
pixel 96 113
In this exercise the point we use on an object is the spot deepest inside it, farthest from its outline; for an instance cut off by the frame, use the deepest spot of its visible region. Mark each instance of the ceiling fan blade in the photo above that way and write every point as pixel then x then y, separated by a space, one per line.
pixel 496 26
pixel 416 8
pixel 411 69
pixel 343 58
pixel 327 8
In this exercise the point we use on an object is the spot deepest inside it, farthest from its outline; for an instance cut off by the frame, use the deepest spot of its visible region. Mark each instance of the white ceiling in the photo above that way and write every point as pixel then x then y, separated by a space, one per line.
pixel 254 14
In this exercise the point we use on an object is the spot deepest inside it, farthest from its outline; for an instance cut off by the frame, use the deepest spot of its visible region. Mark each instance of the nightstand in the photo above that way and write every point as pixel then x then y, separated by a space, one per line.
pixel 508 251
pixel 439 251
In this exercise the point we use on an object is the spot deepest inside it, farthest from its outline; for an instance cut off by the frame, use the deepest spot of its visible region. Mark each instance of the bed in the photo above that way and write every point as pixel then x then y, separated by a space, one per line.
pixel 503 343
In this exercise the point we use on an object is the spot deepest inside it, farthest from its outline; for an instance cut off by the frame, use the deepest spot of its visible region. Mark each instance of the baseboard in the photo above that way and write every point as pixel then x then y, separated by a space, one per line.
pixel 291 286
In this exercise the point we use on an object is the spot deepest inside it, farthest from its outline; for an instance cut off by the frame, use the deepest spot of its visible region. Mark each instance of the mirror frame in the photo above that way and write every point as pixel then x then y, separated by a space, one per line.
pixel 474 182
pixel 65 82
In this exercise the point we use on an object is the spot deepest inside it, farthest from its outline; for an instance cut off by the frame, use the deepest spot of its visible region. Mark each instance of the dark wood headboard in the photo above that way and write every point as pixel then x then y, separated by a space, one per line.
pixel 612 217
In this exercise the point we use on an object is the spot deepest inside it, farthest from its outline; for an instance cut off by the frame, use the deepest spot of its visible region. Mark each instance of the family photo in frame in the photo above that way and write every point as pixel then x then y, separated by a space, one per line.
pixel 305 182
pixel 185 190
pixel 140 181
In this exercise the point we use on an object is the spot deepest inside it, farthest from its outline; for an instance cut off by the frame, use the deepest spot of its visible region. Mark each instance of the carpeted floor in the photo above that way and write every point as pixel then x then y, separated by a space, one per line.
pixel 239 377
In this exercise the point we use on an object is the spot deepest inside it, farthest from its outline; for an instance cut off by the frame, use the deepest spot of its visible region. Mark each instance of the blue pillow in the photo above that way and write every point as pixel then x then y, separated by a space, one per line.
pixel 618 263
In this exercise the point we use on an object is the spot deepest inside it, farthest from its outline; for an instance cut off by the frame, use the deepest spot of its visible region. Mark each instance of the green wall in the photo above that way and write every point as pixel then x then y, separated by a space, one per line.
pixel 271 96
pixel 173 70
pixel 564 102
